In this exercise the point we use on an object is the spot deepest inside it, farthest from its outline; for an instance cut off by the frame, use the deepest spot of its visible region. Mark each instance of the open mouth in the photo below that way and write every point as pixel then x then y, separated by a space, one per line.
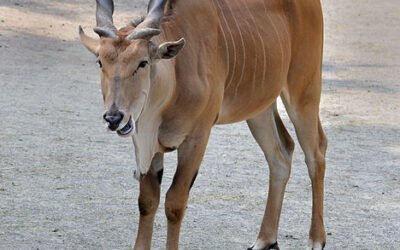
pixel 127 129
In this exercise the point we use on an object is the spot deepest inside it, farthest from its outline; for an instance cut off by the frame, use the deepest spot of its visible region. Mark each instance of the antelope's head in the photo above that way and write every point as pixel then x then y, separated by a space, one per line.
pixel 125 58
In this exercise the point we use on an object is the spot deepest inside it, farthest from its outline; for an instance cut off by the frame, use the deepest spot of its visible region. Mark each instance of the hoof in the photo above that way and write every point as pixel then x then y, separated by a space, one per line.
pixel 318 246
pixel 271 246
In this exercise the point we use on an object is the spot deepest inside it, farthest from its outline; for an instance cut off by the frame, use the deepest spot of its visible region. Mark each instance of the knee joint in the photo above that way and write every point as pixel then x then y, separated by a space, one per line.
pixel 174 214
pixel 147 207
pixel 175 205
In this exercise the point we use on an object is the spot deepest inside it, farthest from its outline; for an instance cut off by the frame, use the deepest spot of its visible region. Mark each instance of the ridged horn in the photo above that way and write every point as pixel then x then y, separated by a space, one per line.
pixel 151 24
pixel 104 19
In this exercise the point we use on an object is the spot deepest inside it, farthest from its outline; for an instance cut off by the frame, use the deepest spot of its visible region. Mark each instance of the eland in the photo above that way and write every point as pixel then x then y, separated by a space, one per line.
pixel 169 77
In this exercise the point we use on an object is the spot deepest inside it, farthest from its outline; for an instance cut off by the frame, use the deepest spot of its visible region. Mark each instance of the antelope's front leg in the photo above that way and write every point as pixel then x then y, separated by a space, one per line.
pixel 190 154
pixel 149 199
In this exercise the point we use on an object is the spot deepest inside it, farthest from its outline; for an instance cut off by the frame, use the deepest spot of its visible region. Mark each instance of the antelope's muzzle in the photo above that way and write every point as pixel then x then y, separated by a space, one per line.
pixel 113 119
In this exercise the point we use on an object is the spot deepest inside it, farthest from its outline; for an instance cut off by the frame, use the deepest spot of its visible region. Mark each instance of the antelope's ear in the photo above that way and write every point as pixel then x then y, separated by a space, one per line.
pixel 91 44
pixel 169 50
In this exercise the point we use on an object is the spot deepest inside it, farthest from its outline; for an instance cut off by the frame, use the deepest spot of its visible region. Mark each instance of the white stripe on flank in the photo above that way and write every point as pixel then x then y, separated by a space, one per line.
pixel 226 45
pixel 278 37
pixel 255 56
pixel 233 44
pixel 262 43
pixel 269 57
pixel 286 31
pixel 244 50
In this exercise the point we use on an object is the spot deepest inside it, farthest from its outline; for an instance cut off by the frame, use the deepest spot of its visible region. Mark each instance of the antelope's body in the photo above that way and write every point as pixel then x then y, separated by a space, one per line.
pixel 239 56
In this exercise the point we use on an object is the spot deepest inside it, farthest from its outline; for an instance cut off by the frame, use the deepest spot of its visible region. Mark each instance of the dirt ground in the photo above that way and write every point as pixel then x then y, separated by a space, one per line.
pixel 67 184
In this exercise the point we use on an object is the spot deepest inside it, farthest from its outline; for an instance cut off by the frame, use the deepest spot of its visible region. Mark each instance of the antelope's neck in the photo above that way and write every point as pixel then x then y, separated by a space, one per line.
pixel 161 95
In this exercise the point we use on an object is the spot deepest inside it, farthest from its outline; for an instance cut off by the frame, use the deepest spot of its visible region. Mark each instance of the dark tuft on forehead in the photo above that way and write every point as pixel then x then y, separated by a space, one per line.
pixel 125 30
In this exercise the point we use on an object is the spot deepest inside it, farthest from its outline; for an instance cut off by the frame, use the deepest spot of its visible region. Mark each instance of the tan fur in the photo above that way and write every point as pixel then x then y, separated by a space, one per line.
pixel 240 55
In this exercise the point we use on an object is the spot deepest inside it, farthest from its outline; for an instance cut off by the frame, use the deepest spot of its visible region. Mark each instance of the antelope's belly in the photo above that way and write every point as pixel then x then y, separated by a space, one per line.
pixel 247 103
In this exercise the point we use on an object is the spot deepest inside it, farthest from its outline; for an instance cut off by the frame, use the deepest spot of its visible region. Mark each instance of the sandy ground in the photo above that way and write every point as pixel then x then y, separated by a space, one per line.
pixel 67 184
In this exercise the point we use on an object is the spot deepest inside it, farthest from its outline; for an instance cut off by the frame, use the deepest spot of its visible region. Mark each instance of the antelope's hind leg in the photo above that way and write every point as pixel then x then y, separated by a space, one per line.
pixel 277 145
pixel 314 144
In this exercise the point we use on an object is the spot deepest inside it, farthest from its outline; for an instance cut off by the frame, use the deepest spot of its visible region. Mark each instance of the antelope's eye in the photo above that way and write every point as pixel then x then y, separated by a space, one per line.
pixel 99 63
pixel 143 64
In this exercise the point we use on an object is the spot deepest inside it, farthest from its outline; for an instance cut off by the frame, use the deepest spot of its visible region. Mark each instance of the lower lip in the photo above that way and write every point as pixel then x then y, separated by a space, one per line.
pixel 131 124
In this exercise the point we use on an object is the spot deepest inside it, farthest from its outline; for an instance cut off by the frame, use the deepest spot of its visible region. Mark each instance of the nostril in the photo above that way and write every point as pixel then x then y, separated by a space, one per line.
pixel 113 120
